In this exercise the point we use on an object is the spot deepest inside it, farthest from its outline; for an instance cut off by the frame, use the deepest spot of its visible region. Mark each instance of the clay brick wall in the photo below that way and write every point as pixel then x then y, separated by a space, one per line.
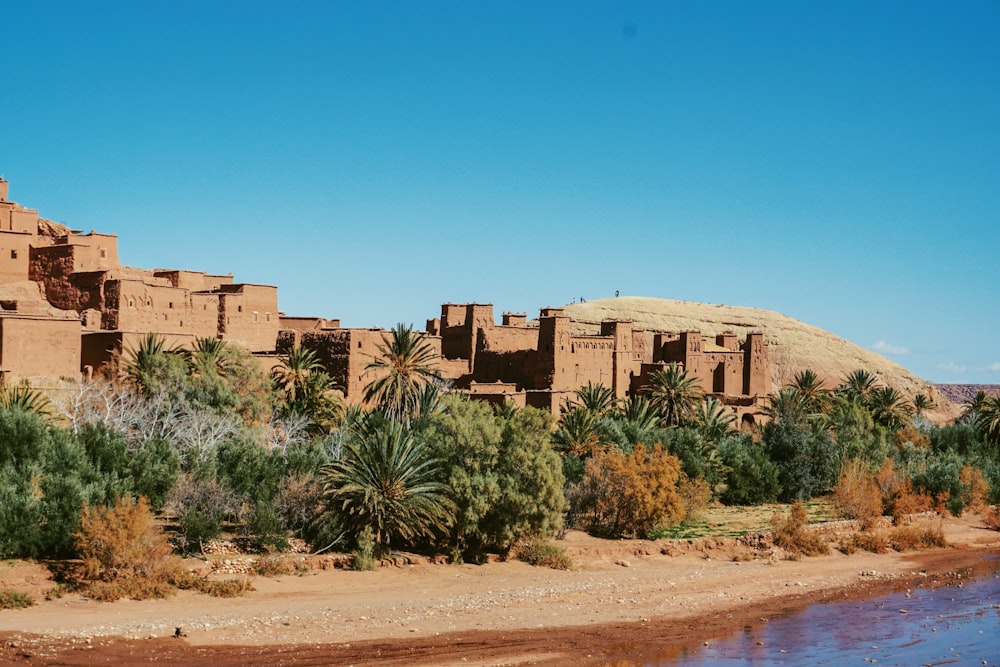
pixel 459 328
pixel 757 372
pixel 31 347
pixel 14 256
pixel 16 218
pixel 138 306
pixel 248 315
pixel 506 339
pixel 91 252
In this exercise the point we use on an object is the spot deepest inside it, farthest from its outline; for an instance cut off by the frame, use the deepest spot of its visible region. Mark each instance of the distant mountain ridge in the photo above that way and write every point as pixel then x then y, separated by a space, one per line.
pixel 961 394
pixel 792 345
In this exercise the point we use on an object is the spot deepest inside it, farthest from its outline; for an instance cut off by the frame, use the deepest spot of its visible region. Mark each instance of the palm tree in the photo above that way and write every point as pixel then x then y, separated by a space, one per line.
pixel 858 384
pixel 974 408
pixel 788 406
pixel 309 390
pixel 674 394
pixel 889 408
pixel 988 422
pixel 149 362
pixel 210 355
pixel 22 397
pixel 406 363
pixel 577 432
pixel 923 402
pixel 387 482
pixel 596 398
pixel 816 396
pixel 297 365
pixel 713 420
pixel 635 421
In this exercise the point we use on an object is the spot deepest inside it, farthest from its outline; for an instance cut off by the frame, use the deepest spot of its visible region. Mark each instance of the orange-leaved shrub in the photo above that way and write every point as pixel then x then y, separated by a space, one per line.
pixel 628 495
pixel 975 489
pixel 791 534
pixel 856 495
pixel 124 551
pixel 899 500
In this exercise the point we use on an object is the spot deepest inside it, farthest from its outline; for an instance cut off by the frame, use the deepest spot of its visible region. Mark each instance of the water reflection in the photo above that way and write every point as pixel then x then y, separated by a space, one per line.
pixel 957 625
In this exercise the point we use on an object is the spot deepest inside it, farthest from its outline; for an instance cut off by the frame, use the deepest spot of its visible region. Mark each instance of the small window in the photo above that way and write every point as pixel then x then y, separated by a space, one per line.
pixel 239 309
pixel 267 317
pixel 359 344
pixel 13 254
pixel 255 316
pixel 131 303
pixel 170 304
pixel 103 253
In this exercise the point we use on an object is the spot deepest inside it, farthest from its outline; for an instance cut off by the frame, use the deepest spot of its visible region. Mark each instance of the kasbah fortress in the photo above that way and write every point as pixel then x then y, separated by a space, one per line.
pixel 68 308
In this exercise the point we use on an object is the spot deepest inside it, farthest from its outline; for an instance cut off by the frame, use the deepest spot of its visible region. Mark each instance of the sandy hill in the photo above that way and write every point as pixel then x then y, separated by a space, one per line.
pixel 792 345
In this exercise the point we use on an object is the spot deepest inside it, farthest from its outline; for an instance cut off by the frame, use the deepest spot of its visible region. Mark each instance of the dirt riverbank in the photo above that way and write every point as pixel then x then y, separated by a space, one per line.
pixel 622 595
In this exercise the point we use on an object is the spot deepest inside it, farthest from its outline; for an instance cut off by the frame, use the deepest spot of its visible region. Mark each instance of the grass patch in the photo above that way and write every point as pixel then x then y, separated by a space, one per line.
pixel 683 531
pixel 10 599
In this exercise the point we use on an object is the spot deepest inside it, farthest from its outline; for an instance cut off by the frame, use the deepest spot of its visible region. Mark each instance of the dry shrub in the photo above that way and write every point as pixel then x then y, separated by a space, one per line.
pixel 976 491
pixel 912 435
pixel 908 538
pixel 220 588
pixel 624 495
pixel 791 534
pixel 899 500
pixel 124 552
pixel 857 495
pixel 273 566
pixel 992 518
pixel 542 553
pixel 695 496
pixel 867 540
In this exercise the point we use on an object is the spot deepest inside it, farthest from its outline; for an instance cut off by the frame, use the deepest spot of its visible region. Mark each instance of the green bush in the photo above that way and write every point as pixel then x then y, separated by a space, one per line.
pixel 752 477
pixel 10 599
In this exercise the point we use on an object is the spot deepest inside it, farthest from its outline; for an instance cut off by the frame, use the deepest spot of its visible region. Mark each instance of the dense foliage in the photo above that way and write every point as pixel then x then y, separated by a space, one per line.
pixel 214 444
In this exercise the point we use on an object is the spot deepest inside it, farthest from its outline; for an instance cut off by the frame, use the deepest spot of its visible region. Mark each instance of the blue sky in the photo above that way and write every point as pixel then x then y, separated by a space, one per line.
pixel 838 162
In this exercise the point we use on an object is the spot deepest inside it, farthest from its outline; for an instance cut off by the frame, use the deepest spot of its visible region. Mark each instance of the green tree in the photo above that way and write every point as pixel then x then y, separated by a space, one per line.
pixel 636 420
pixel 154 367
pixel 713 421
pixel 858 384
pixel 308 390
pixel 674 394
pixel 988 421
pixel 921 403
pixel 502 474
pixel 752 477
pixel 810 387
pixel 405 365
pixel 595 398
pixel 388 482
pixel 889 408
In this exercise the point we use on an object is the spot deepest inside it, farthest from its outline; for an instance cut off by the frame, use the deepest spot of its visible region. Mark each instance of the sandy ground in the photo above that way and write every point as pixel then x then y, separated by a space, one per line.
pixel 622 595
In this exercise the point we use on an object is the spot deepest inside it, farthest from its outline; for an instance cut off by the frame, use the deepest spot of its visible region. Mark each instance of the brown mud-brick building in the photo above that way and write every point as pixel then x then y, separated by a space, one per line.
pixel 70 287
pixel 542 364
pixel 67 305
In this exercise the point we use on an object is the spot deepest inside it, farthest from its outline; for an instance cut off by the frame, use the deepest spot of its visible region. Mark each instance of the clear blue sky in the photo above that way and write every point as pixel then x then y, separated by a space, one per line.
pixel 835 161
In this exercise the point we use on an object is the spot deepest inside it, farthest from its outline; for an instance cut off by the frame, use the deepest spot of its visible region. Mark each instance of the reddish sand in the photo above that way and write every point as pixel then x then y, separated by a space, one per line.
pixel 622 596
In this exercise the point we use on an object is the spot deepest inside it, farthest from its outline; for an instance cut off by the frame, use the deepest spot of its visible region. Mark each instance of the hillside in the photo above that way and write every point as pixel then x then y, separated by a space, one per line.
pixel 792 345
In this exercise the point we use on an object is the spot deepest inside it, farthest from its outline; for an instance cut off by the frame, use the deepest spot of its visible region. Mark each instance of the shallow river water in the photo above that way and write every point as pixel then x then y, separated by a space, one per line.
pixel 954 625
